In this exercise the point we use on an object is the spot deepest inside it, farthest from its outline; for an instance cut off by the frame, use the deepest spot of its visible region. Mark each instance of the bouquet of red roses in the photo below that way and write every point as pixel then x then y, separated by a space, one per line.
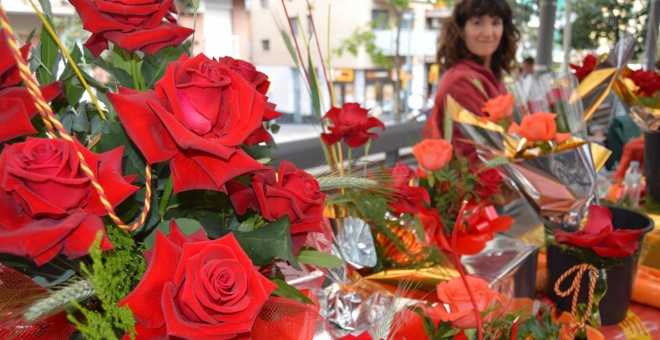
pixel 179 145
pixel 450 180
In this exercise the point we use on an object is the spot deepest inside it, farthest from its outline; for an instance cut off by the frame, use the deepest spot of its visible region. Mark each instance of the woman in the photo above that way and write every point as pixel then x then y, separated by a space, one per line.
pixel 477 45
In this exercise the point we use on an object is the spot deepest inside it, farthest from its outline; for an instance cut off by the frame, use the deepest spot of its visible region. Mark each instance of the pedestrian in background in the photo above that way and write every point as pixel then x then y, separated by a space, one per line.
pixel 477 46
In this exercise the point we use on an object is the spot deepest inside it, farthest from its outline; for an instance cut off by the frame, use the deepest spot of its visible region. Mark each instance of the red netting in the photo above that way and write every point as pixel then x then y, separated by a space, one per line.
pixel 17 292
pixel 284 319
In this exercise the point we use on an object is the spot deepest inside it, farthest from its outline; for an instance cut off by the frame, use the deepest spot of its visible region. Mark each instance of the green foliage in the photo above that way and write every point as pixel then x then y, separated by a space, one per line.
pixel 314 88
pixel 522 12
pixel 499 328
pixel 287 291
pixel 153 66
pixel 186 225
pixel 448 187
pixel 272 241
pixel 319 259
pixel 48 56
pixel 444 330
pixel 364 37
pixel 114 274
pixel 607 19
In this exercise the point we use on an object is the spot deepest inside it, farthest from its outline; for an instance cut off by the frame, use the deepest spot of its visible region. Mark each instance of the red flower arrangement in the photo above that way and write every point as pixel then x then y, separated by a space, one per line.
pixel 599 235
pixel 447 182
pixel 188 128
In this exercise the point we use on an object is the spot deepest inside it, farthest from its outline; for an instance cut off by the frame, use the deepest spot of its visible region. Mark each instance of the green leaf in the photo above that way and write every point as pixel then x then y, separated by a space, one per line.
pixel 319 259
pixel 186 225
pixel 269 242
pixel 80 121
pixel 114 137
pixel 286 290
pixel 49 55
pixel 431 178
pixel 261 153
pixel 429 327
pixel 154 66
pixel 497 161
pixel 121 59
pixel 76 55
pixel 67 121
pixel 73 91
pixel 448 127
pixel 46 9
pixel 289 46
pixel 316 96
pixel 30 35
pixel 248 225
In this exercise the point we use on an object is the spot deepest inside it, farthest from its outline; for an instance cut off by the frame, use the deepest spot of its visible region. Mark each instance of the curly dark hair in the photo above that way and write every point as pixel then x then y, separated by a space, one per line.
pixel 452 48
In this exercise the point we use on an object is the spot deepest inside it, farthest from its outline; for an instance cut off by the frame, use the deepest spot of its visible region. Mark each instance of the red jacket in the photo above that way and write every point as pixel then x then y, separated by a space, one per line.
pixel 458 81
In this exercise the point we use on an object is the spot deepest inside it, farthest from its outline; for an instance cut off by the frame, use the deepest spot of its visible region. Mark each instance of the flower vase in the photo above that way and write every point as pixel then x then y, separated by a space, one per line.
pixel 618 279
pixel 652 164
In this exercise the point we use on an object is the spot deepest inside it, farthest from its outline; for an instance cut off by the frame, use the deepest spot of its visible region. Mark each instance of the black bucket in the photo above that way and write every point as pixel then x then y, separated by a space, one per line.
pixel 620 279
pixel 652 164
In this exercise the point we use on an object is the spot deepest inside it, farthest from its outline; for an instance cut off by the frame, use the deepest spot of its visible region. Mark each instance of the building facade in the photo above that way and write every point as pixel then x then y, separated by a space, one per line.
pixel 354 78
pixel 222 26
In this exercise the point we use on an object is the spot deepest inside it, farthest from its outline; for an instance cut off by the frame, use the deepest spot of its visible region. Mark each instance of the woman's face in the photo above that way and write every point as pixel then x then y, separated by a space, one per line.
pixel 482 36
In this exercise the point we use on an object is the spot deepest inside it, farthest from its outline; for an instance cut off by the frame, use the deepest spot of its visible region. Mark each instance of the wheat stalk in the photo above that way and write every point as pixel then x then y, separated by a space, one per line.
pixel 338 182
pixel 78 290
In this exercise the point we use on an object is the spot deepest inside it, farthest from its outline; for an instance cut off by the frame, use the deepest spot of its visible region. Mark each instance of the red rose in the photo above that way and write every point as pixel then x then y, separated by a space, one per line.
pixel 539 127
pixel 433 154
pixel 260 82
pixel 48 205
pixel 352 124
pixel 293 193
pixel 407 199
pixel 257 79
pixel 490 182
pixel 145 25
pixel 498 108
pixel 197 118
pixel 599 235
pixel 16 105
pixel 197 289
pixel 588 65
pixel 9 75
pixel 648 82
pixel 459 309
pixel 432 224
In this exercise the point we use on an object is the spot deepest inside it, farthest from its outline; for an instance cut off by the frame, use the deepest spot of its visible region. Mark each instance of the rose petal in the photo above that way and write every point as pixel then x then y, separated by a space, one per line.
pixel 150 290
